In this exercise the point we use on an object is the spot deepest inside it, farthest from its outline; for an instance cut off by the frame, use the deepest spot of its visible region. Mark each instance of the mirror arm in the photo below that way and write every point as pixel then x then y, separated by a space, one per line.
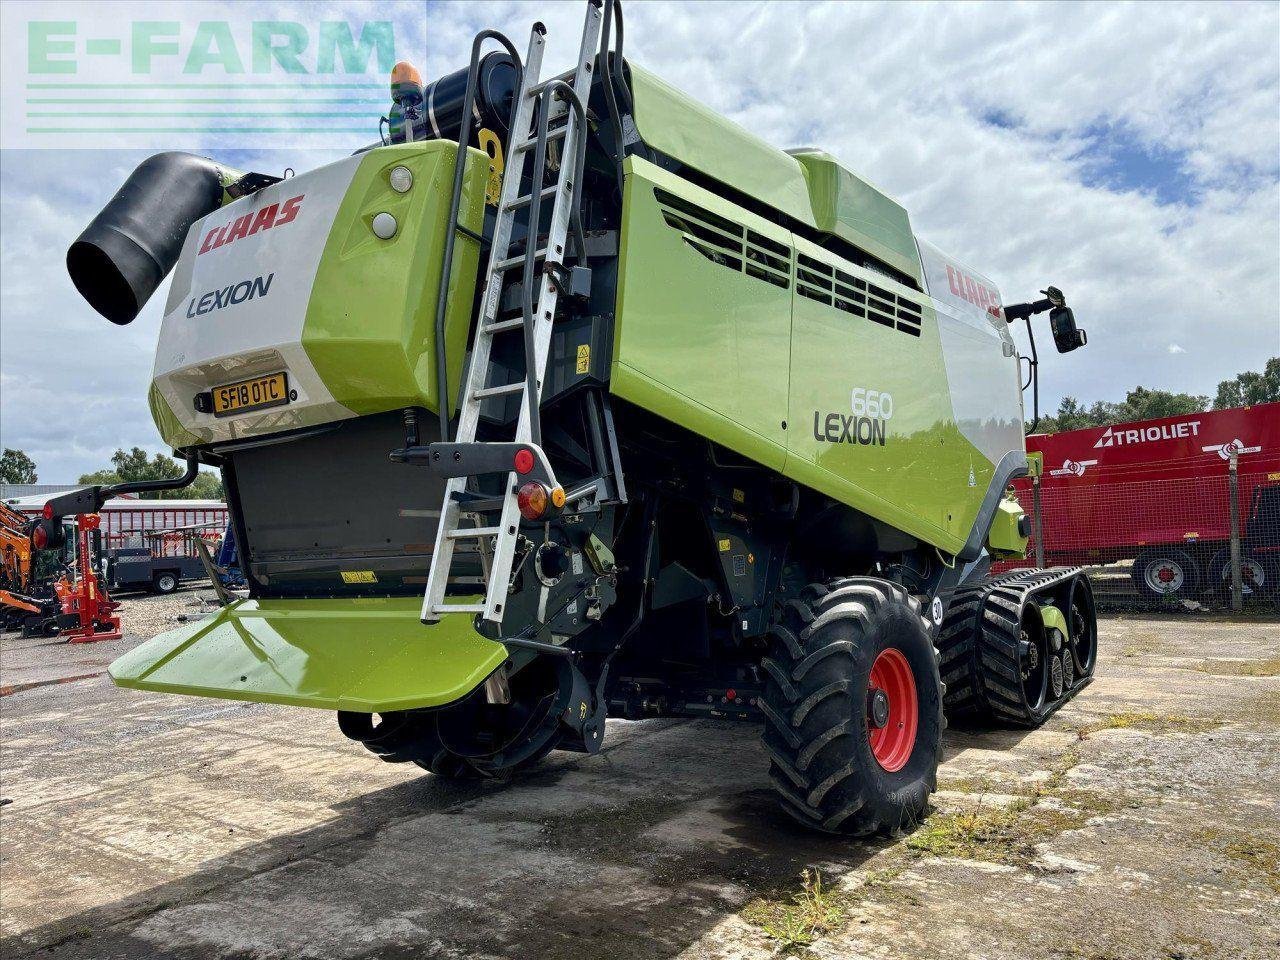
pixel 1034 376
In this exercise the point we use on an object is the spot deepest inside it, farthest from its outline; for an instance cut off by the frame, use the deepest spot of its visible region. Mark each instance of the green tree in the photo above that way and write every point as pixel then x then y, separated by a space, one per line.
pixel 1248 388
pixel 134 465
pixel 16 467
pixel 1140 403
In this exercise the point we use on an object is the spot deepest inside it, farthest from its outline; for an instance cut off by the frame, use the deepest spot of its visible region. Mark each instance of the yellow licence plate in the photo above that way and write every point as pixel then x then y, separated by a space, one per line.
pixel 256 394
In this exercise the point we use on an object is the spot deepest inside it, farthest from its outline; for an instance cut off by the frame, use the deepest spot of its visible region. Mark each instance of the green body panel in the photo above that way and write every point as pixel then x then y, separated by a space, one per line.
pixel 701 343
pixel 174 433
pixel 365 655
pixel 851 208
pixel 1004 539
pixel 370 324
pixel 927 478
pixel 674 123
pixel 731 356
pixel 1054 620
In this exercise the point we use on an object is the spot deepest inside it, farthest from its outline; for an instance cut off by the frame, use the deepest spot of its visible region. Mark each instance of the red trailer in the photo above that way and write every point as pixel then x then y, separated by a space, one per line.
pixel 1156 492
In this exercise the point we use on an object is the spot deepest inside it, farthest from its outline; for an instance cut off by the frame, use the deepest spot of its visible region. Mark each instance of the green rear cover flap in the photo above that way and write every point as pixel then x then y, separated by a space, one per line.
pixel 681 127
pixel 851 208
pixel 366 655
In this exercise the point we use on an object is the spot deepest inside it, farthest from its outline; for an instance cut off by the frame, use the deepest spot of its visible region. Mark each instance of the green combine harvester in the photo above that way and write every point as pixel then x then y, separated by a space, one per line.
pixel 571 399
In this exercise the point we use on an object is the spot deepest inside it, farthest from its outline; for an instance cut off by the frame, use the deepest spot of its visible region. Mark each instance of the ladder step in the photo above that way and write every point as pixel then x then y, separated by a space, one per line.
pixel 556 134
pixel 504 325
pixel 519 202
pixel 464 532
pixel 510 262
pixel 458 608
pixel 503 390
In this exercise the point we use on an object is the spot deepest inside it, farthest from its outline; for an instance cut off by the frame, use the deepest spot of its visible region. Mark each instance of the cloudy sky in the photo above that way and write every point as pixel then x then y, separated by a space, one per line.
pixel 1129 154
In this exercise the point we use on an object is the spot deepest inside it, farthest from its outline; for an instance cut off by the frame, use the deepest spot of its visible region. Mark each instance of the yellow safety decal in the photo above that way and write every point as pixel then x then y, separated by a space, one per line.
pixel 584 358
pixel 358 576
pixel 725 546
pixel 491 145
pixel 739 496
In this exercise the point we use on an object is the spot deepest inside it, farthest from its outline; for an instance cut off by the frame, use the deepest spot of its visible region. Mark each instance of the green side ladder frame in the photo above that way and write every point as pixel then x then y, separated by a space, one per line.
pixel 526 142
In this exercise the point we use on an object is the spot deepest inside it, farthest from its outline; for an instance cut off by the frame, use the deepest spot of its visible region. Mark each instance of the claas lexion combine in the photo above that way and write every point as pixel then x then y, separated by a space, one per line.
pixel 571 399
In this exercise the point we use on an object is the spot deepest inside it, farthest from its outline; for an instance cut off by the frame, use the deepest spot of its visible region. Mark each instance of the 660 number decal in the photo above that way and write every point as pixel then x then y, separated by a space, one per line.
pixel 876 404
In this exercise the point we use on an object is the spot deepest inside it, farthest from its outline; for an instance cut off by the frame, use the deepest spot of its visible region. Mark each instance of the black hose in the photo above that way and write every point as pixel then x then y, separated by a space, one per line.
pixel 617 63
pixel 151 486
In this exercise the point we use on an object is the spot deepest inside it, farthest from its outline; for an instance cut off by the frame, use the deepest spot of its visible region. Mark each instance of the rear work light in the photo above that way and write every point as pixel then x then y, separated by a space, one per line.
pixel 537 501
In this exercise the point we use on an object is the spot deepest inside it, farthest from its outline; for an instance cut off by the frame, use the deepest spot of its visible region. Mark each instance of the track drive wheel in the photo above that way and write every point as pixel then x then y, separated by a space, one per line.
pixel 853 708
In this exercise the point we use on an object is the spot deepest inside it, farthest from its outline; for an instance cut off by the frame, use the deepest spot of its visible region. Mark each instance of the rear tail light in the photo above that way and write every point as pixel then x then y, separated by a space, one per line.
pixel 523 461
pixel 47 512
pixel 40 537
pixel 533 499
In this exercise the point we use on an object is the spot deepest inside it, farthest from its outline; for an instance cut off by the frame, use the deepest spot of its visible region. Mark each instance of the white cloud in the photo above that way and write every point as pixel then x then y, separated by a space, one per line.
pixel 899 93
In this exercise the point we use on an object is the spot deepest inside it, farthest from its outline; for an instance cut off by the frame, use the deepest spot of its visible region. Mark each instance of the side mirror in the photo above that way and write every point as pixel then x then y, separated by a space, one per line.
pixel 1066 336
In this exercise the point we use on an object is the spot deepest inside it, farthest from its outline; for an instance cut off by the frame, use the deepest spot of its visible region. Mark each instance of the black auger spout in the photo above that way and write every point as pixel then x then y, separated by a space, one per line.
pixel 130 247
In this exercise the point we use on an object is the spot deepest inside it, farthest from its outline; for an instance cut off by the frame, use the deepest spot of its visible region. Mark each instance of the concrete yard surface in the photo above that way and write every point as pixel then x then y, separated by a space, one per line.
pixel 1143 821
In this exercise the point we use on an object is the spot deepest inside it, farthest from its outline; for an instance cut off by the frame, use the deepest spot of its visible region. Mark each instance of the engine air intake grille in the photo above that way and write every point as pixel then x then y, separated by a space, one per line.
pixel 727 243
pixel 828 285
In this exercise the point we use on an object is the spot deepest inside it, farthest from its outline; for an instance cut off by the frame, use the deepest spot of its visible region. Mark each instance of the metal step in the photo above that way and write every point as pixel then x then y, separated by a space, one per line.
pixel 521 202
pixel 552 135
pixel 510 262
pixel 499 391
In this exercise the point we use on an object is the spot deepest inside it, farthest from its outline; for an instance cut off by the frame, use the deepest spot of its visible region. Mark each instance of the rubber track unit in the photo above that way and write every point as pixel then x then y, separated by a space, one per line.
pixel 815 732
pixel 977 644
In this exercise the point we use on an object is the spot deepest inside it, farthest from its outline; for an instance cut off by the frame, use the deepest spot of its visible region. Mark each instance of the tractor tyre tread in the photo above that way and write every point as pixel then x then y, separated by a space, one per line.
pixel 821 764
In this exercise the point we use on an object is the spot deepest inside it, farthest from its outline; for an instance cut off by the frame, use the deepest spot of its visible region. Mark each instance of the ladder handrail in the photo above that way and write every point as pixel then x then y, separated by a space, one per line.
pixel 535 215
pixel 455 202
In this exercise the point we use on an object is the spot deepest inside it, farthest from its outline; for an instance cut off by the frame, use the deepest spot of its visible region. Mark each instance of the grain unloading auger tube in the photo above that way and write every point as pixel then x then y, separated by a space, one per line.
pixel 709 431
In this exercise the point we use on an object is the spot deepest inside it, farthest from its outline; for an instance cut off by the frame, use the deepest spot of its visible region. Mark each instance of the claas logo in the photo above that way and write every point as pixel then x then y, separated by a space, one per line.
pixel 967 288
pixel 272 215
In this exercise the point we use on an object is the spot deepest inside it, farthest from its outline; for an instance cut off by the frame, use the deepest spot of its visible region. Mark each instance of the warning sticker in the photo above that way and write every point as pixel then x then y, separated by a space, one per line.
pixel 584 358
pixel 358 576
pixel 725 546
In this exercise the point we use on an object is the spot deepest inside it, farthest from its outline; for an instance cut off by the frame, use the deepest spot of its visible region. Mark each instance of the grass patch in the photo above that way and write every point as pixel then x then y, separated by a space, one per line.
pixel 1149 722
pixel 1009 834
pixel 1241 668
pixel 801 919
pixel 1257 857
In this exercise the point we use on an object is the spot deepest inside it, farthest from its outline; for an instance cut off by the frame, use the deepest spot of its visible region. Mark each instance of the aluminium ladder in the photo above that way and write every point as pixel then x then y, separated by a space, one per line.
pixel 524 142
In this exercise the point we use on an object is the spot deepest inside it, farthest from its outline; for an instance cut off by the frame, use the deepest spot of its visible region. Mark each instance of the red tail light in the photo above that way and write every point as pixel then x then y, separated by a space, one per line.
pixel 47 512
pixel 40 537
pixel 524 461
pixel 532 499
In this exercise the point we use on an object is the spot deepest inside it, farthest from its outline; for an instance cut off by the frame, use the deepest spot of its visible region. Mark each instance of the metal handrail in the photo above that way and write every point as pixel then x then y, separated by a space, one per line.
pixel 446 271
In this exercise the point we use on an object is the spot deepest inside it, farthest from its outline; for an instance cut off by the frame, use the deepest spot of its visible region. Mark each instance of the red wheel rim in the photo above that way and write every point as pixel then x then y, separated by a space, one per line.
pixel 892 743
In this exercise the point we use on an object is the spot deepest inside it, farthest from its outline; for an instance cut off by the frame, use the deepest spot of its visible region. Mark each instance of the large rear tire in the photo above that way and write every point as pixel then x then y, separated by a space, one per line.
pixel 853 708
